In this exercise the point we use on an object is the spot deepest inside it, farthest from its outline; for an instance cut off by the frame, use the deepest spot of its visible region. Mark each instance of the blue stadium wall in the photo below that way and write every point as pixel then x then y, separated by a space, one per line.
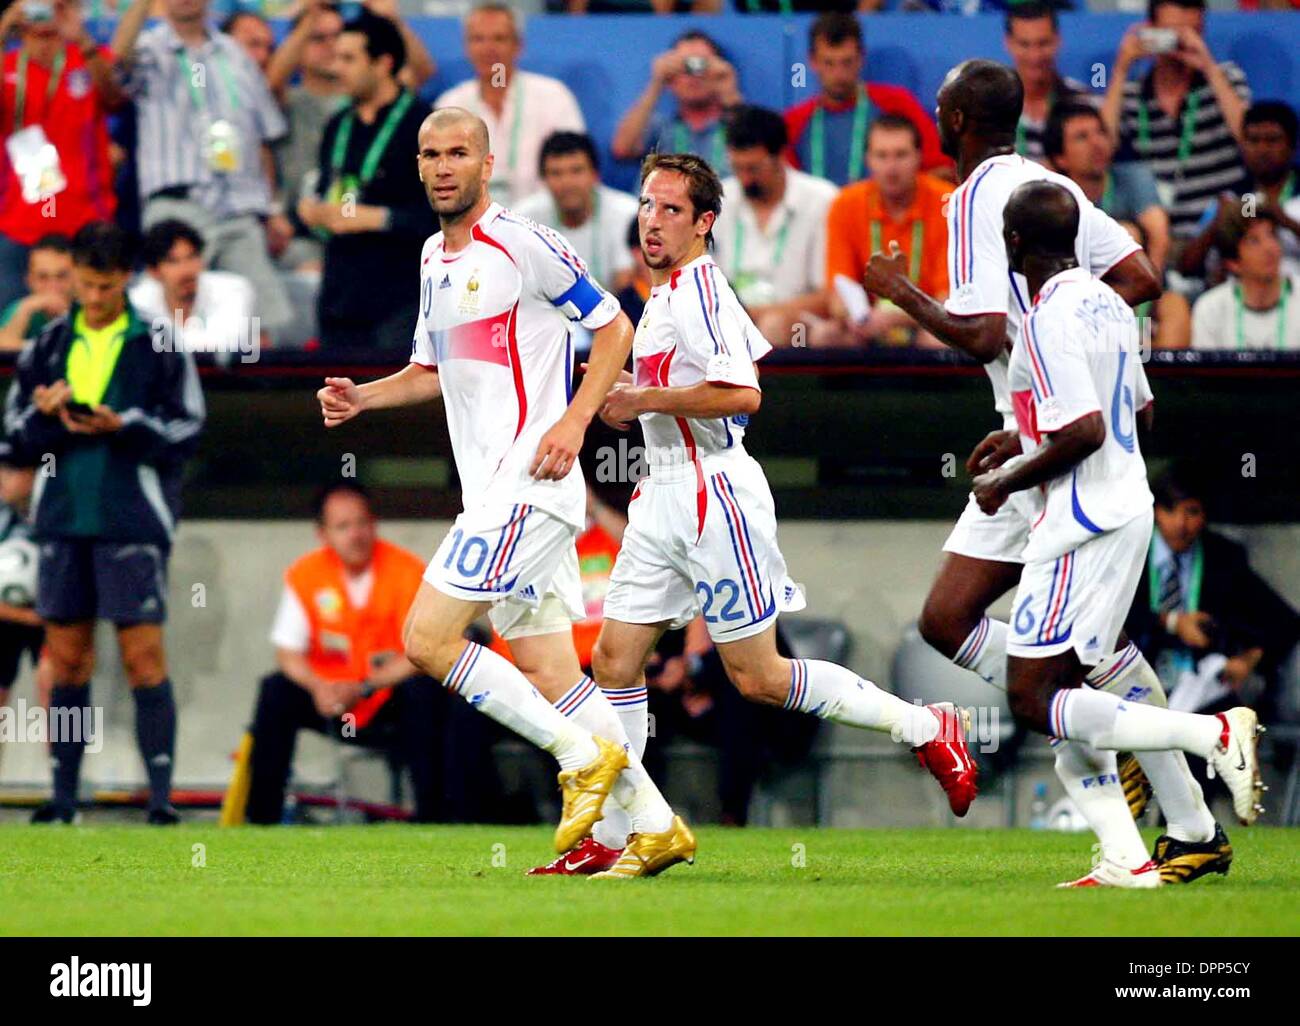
pixel 605 59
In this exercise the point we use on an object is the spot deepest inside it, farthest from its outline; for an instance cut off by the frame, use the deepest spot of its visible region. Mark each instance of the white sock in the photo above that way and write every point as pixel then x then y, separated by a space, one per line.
pixel 1128 674
pixel 630 705
pixel 1091 780
pixel 496 688
pixel 833 693
pixel 984 652
pixel 635 804
pixel 1105 721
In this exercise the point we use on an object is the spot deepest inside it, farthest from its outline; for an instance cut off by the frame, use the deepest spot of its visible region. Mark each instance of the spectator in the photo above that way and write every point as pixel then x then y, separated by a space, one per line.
pixel 1033 39
pixel 57 91
pixel 49 285
pixel 341 667
pixel 770 239
pixel 205 118
pixel 119 414
pixel 1257 307
pixel 703 83
pixel 828 133
pixel 253 32
pixel 1212 628
pixel 1268 151
pixel 370 205
pixel 206 311
pixel 308 105
pixel 592 216
pixel 896 204
pixel 633 296
pixel 1076 144
pixel 1169 317
pixel 521 108
pixel 1183 118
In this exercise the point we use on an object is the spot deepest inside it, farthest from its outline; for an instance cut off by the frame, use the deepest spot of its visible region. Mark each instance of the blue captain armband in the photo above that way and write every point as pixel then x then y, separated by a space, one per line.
pixel 580 300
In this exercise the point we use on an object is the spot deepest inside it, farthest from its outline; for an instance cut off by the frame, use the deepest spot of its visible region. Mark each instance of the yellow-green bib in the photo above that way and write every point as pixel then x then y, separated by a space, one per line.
pixel 92 357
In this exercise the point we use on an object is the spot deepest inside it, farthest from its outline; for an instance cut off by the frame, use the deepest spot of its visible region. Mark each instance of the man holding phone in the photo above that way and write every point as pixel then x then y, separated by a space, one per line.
pixel 107 409
pixel 1184 117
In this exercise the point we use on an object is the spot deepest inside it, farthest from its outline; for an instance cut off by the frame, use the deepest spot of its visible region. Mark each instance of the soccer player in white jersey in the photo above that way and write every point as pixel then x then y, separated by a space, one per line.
pixel 1075 385
pixel 701 535
pixel 496 295
pixel 979 106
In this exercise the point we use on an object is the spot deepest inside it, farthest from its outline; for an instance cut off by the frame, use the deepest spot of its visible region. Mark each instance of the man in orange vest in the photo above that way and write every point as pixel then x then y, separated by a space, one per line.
pixel 342 670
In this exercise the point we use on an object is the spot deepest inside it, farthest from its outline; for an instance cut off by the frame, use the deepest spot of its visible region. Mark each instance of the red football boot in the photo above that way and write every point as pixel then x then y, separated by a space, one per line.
pixel 588 857
pixel 948 759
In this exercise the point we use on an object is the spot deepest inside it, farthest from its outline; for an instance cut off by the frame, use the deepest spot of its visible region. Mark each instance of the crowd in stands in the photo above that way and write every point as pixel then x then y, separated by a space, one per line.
pixel 282 171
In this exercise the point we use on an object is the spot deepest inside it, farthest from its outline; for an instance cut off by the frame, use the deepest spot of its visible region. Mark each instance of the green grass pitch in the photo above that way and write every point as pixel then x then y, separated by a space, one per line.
pixel 402 880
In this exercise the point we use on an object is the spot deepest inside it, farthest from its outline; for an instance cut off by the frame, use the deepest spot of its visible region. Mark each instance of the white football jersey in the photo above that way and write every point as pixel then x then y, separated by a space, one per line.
pixel 494 319
pixel 980 280
pixel 1078 354
pixel 694 329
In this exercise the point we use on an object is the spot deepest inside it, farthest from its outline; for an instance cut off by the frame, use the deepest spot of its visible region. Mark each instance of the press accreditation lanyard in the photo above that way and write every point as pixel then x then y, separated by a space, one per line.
pixel 199 96
pixel 857 141
pixel 1021 143
pixel 1288 189
pixel 1192 600
pixel 738 248
pixel 682 142
pixel 378 145
pixel 1190 110
pixel 1108 194
pixel 756 6
pixel 1281 315
pixel 20 85
pixel 918 243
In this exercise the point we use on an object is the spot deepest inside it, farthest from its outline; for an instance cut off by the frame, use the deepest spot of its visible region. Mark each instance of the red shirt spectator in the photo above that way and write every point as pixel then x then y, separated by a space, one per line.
pixel 839 118
pixel 49 83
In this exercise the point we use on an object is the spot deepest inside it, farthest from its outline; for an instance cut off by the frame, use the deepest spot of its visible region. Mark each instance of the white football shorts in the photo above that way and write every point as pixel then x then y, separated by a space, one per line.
pixel 520 558
pixel 1001 537
pixel 701 541
pixel 1080 600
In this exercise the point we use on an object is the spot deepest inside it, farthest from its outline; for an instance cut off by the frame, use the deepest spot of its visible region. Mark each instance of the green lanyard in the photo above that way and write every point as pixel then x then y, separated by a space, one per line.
pixel 198 96
pixel 1288 189
pixel 1190 110
pixel 370 162
pixel 1192 599
pixel 1021 144
pixel 756 6
pixel 781 237
pixel 857 141
pixel 20 85
pixel 1281 315
pixel 682 142
pixel 918 244
pixel 1108 195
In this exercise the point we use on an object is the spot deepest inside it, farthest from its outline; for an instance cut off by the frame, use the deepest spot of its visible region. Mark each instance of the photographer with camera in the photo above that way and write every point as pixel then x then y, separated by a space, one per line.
pixel 56 94
pixel 704 84
pixel 1184 117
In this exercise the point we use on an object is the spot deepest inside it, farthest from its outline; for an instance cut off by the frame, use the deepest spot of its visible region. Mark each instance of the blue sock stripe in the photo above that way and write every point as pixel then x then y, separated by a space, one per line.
pixel 798 685
pixel 575 696
pixel 461 669
pixel 1129 656
pixel 1056 714
pixel 973 645
pixel 623 698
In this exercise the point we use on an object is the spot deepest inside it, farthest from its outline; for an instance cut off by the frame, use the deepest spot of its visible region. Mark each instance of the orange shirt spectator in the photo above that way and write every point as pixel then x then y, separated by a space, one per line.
pixel 858 223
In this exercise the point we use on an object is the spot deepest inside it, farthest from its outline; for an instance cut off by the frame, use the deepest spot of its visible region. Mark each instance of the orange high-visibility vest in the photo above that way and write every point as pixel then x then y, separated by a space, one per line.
pixel 348 644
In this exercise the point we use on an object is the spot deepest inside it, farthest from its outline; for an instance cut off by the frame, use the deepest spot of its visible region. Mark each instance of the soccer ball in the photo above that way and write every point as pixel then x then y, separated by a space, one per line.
pixel 18 559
